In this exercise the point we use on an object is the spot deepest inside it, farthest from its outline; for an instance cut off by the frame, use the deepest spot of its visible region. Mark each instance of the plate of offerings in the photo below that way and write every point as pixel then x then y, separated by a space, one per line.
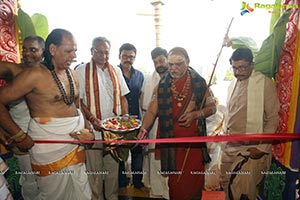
pixel 120 128
pixel 121 124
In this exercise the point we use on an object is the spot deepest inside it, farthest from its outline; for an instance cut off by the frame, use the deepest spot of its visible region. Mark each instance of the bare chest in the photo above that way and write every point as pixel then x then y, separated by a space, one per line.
pixel 66 88
pixel 55 89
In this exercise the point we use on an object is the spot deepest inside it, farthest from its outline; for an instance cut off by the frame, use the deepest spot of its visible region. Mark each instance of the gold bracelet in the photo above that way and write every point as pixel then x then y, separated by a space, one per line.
pixel 19 136
pixel 22 139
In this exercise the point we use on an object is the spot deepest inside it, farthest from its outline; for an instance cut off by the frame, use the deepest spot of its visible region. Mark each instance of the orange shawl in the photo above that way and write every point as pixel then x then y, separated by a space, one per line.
pixel 92 89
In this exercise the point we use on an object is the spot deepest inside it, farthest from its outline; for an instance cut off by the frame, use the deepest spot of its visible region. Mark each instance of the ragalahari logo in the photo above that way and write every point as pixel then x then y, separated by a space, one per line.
pixel 271 8
pixel 246 8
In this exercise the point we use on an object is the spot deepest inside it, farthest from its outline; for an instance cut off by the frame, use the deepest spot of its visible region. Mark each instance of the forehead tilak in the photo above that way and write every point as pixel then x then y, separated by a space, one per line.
pixel 176 58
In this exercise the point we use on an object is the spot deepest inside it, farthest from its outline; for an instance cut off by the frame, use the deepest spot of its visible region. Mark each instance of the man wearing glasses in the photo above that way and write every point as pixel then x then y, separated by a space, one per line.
pixel 252 107
pixel 134 80
pixel 102 94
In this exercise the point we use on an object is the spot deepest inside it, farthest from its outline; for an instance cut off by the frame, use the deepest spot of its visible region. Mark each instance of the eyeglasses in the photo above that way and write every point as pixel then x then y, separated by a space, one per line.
pixel 128 57
pixel 240 68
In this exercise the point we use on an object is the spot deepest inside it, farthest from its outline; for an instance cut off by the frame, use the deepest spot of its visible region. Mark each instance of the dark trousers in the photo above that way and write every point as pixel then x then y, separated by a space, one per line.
pixel 136 169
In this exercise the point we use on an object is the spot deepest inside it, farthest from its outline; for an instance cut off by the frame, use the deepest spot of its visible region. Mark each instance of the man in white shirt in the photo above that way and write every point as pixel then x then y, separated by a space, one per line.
pixel 102 94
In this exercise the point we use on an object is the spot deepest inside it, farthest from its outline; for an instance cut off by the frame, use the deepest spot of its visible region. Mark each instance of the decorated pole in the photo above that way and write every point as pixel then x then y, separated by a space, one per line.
pixel 157 18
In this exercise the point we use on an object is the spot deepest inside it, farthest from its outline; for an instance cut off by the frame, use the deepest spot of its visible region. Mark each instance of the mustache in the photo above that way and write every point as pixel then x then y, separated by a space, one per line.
pixel 128 62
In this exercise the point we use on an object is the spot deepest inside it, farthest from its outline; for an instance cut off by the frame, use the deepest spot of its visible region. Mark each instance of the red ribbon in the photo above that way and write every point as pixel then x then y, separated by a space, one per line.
pixel 222 138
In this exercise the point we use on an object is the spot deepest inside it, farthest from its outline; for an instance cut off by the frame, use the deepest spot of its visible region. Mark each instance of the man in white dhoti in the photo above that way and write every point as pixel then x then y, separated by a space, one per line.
pixel 157 183
pixel 51 92
pixel 59 163
pixel 4 192
pixel 252 107
pixel 32 55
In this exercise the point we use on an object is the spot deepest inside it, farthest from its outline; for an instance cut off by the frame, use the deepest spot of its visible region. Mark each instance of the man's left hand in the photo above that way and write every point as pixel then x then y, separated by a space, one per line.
pixel 186 119
pixel 255 153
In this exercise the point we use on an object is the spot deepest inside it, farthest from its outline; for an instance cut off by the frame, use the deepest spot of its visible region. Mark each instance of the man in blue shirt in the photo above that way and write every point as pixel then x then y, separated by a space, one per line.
pixel 134 79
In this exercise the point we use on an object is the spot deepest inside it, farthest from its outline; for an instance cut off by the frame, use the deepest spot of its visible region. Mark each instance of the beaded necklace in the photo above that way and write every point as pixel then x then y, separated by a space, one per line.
pixel 181 96
pixel 60 86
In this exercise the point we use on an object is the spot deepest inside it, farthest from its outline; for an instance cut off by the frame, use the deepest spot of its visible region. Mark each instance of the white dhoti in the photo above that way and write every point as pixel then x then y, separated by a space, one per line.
pixel 246 178
pixel 60 168
pixel 214 125
pixel 4 192
pixel 20 114
pixel 27 181
pixel 152 178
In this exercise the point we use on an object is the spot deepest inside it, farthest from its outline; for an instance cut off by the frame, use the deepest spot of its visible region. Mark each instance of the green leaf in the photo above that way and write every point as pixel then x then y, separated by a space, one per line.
pixel 40 23
pixel 238 42
pixel 275 15
pixel 25 24
pixel 267 59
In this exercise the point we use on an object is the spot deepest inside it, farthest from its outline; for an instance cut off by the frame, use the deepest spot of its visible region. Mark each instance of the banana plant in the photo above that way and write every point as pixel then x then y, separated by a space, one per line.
pixel 267 56
pixel 35 25
pixel 267 59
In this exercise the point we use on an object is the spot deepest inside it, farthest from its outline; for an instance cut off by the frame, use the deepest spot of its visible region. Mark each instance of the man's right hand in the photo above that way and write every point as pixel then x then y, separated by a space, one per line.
pixel 255 153
pixel 142 134
pixel 97 124
pixel 83 134
pixel 3 139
